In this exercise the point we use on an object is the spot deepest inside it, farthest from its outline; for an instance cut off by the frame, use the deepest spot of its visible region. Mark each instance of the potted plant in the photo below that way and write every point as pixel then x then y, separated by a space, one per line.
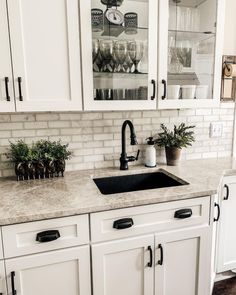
pixel 174 140
pixel 18 154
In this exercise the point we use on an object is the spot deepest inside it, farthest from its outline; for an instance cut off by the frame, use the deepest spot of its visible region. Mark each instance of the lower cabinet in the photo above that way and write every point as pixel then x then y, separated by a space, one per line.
pixel 53 273
pixel 181 262
pixel 124 267
pixel 2 279
pixel 170 263
pixel 226 236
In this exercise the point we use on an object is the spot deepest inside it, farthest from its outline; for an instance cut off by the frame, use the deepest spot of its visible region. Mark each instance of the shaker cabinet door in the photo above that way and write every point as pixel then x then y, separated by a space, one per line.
pixel 122 267
pixel 119 54
pixel 52 273
pixel 3 289
pixel 191 35
pixel 45 40
pixel 7 103
pixel 182 259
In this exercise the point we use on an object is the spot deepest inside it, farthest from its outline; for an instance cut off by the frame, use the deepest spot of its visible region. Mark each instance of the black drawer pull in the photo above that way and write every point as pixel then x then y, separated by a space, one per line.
pixel 8 98
pixel 154 89
pixel 151 256
pixel 218 214
pixel 19 80
pixel 165 86
pixel 13 290
pixel 183 213
pixel 227 192
pixel 47 236
pixel 160 262
pixel 123 223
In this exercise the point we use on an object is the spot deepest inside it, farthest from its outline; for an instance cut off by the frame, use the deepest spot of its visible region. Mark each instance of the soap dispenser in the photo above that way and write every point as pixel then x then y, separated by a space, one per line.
pixel 150 153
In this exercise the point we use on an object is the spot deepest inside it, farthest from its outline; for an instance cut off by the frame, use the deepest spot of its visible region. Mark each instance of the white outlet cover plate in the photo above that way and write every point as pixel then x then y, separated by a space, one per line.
pixel 216 129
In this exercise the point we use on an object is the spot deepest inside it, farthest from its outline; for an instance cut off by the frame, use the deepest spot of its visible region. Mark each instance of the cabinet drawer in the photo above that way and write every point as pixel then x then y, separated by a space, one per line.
pixel 40 236
pixel 1 252
pixel 150 218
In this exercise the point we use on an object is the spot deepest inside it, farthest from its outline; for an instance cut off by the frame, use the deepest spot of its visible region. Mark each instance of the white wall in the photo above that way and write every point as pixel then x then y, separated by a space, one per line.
pixel 230 28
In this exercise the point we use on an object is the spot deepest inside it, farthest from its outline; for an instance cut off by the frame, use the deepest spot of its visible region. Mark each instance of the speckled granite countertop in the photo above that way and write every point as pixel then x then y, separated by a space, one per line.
pixel 76 193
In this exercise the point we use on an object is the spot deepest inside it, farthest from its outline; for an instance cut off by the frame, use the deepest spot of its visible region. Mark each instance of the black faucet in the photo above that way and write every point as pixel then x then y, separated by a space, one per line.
pixel 124 159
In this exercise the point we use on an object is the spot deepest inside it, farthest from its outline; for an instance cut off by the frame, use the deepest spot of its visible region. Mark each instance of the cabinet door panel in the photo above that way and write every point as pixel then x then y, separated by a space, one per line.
pixel 53 273
pixel 120 267
pixel 3 289
pixel 46 54
pixel 5 63
pixel 185 263
pixel 227 236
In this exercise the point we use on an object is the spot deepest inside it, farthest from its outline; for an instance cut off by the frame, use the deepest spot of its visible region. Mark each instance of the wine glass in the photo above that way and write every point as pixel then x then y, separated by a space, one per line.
pixel 128 64
pixel 106 50
pixel 136 50
pixel 95 49
pixel 120 53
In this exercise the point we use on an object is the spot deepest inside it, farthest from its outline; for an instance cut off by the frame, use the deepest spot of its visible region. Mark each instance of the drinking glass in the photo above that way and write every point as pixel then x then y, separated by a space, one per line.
pixel 136 49
pixel 120 53
pixel 95 49
pixel 106 50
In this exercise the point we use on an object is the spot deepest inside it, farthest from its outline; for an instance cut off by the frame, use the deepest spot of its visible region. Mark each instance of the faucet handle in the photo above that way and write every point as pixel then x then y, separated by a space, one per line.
pixel 136 159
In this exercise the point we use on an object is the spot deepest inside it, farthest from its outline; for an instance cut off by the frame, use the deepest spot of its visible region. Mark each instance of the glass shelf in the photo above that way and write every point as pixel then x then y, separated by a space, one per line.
pixel 191 36
pixel 188 3
pixel 121 32
pixel 107 75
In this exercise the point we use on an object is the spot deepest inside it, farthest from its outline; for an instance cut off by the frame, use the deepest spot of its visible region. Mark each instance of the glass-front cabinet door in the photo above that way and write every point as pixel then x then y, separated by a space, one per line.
pixel 190 53
pixel 119 54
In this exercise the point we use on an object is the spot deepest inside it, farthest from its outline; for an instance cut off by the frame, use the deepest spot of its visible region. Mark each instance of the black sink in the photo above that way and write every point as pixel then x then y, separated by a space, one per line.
pixel 135 182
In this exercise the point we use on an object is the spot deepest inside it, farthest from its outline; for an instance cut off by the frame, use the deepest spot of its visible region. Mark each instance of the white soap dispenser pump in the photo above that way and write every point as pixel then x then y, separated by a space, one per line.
pixel 150 153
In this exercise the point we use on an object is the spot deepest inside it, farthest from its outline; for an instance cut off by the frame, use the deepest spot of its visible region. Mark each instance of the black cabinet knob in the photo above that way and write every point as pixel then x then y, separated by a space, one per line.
pixel 47 236
pixel 183 213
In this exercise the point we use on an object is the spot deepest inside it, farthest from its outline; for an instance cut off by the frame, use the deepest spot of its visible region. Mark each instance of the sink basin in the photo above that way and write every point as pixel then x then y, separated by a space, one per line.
pixel 136 182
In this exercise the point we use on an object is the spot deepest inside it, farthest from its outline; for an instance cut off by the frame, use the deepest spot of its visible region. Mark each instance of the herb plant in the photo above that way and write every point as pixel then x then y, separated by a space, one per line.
pixel 18 152
pixel 180 137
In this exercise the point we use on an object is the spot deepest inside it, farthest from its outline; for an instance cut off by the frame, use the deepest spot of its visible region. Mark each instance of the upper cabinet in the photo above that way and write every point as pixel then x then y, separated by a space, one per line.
pixel 45 44
pixel 115 54
pixel 6 83
pixel 119 54
pixel 190 51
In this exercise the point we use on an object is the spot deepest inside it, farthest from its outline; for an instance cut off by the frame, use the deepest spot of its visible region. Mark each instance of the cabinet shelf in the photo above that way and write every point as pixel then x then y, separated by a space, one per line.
pixel 188 3
pixel 125 33
pixel 191 36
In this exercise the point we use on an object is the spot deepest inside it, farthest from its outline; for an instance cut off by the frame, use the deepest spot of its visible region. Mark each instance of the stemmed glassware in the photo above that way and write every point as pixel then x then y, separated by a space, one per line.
pixel 95 50
pixel 136 51
pixel 120 54
pixel 106 50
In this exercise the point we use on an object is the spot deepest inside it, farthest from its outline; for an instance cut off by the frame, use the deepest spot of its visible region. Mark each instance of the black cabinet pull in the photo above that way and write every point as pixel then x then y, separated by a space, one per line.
pixel 183 213
pixel 7 93
pixel 165 85
pixel 227 192
pixel 160 262
pixel 47 236
pixel 123 223
pixel 154 89
pixel 151 256
pixel 218 214
pixel 14 292
pixel 19 80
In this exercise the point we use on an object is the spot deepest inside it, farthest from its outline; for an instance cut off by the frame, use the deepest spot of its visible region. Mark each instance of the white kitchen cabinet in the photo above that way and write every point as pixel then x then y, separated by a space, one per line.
pixel 226 255
pixel 111 81
pixel 7 103
pixel 183 262
pixel 121 267
pixel 52 273
pixel 45 46
pixel 190 53
pixel 3 289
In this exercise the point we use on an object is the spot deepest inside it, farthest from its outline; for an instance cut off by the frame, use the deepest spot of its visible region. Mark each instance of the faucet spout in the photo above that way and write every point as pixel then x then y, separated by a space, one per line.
pixel 124 159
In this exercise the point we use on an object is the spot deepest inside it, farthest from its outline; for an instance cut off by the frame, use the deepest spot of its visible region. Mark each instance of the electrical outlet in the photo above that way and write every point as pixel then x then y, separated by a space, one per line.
pixel 216 130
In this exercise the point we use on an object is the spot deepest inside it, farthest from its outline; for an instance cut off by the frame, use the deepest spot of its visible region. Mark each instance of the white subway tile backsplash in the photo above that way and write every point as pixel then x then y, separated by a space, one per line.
pixel 95 137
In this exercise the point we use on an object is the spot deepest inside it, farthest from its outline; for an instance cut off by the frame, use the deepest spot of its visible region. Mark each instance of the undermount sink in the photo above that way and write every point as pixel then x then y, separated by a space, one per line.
pixel 136 182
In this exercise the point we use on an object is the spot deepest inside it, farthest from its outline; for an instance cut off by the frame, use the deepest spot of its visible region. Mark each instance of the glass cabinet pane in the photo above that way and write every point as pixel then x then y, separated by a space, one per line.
pixel 120 49
pixel 191 49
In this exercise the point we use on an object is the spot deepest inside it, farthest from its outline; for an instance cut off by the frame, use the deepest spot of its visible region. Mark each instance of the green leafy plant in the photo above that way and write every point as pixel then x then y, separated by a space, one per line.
pixel 18 152
pixel 181 136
